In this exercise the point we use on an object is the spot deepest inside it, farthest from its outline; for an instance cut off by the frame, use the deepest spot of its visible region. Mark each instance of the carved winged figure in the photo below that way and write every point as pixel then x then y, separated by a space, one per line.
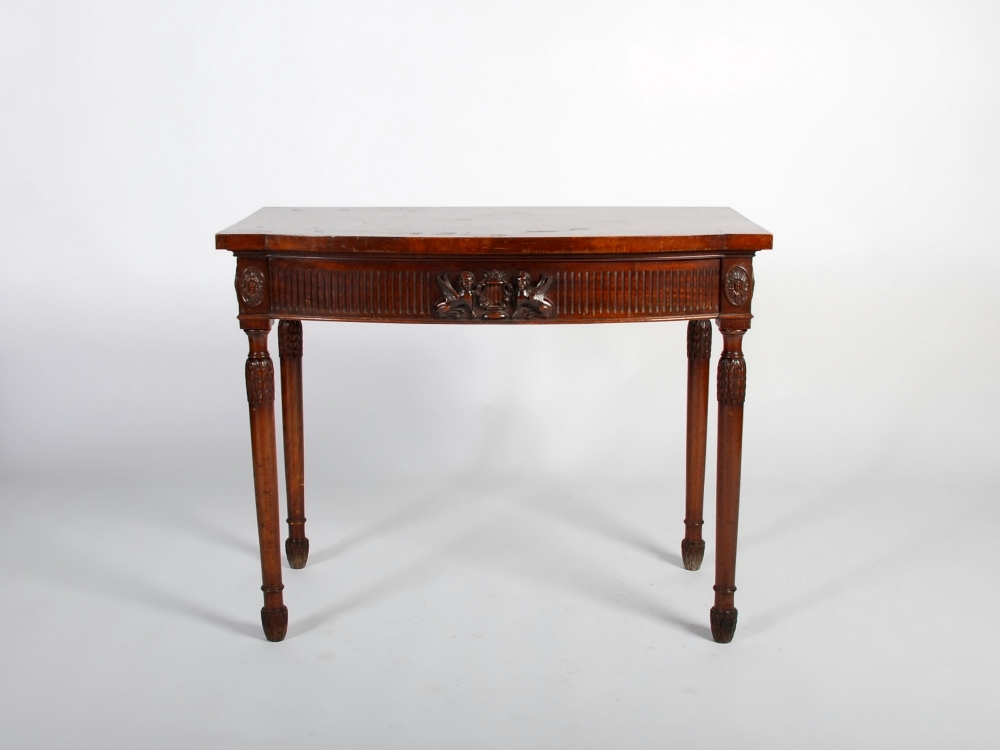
pixel 457 304
pixel 531 300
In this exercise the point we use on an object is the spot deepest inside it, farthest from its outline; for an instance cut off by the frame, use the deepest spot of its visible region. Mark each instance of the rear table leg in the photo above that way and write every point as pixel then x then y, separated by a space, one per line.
pixel 699 352
pixel 290 353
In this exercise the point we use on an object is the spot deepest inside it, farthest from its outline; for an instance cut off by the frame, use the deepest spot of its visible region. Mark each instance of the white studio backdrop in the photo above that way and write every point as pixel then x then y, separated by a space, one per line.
pixel 862 134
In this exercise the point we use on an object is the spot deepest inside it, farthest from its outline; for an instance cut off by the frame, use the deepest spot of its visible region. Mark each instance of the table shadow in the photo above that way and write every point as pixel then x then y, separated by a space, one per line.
pixel 489 545
pixel 172 509
pixel 588 517
pixel 583 576
pixel 196 526
pixel 828 589
pixel 83 573
pixel 382 589
pixel 411 514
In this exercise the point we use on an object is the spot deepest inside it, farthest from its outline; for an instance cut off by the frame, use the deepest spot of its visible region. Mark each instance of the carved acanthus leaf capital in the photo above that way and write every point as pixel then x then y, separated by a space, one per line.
pixel 290 338
pixel 731 386
pixel 260 380
pixel 699 339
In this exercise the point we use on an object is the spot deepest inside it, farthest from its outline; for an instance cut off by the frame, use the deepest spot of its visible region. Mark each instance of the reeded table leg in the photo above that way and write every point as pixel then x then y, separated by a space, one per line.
pixel 290 354
pixel 731 388
pixel 699 352
pixel 260 394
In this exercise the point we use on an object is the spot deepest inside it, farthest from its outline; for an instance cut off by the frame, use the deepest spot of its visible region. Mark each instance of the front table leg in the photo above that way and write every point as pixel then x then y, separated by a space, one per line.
pixel 731 388
pixel 260 394
pixel 290 354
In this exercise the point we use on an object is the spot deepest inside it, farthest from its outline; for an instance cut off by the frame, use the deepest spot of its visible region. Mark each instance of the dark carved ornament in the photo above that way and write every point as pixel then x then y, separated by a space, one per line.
pixel 494 297
pixel 275 622
pixel 699 339
pixel 737 286
pixel 731 387
pixel 260 380
pixel 692 553
pixel 290 338
pixel 723 624
pixel 251 286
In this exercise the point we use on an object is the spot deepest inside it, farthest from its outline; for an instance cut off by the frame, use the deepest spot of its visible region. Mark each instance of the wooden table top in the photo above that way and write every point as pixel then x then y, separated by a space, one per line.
pixel 433 231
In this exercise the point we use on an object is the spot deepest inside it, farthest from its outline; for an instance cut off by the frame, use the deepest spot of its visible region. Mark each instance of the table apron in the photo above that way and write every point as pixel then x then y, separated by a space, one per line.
pixel 412 290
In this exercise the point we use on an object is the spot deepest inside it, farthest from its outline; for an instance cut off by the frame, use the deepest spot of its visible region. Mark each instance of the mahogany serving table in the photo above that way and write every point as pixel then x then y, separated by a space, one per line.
pixel 495 266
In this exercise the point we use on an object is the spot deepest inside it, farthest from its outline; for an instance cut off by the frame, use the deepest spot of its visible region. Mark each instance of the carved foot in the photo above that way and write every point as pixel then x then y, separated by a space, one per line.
pixel 723 624
pixel 693 552
pixel 297 552
pixel 275 622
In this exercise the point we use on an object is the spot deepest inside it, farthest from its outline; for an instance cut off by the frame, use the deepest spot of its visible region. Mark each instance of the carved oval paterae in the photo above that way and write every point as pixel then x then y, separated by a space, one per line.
pixel 737 286
pixel 251 286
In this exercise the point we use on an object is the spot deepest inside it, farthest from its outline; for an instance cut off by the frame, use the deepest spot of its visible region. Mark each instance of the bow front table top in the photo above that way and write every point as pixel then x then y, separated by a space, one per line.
pixel 495 266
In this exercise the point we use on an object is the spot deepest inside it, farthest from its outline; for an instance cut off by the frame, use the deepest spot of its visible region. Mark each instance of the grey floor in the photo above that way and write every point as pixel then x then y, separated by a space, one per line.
pixel 467 615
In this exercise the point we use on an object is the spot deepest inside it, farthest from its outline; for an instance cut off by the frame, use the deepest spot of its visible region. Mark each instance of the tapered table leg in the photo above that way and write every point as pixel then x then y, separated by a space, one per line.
pixel 699 351
pixel 260 394
pixel 731 388
pixel 731 393
pixel 290 354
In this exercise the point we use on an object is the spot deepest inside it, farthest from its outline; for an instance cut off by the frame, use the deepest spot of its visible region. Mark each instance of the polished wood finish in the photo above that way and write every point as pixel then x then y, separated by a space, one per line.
pixel 731 391
pixel 290 355
pixel 404 290
pixel 699 354
pixel 731 384
pixel 506 266
pixel 489 231
pixel 260 395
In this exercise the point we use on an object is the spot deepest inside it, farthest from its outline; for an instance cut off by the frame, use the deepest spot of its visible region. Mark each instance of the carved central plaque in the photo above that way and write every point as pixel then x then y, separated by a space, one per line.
pixel 494 297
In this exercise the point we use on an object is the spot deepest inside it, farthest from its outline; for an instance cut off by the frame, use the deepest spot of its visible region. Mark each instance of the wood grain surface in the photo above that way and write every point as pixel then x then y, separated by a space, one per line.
pixel 482 266
pixel 563 230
